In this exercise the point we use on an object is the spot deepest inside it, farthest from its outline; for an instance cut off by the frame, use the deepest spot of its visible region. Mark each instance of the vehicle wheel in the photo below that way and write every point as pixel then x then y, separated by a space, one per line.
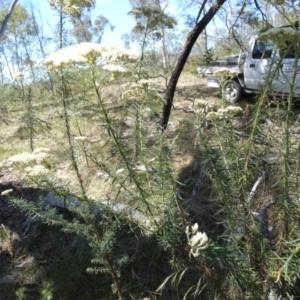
pixel 232 91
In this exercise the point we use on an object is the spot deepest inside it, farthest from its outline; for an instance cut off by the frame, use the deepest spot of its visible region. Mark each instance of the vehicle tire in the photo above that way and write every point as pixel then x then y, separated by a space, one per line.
pixel 232 91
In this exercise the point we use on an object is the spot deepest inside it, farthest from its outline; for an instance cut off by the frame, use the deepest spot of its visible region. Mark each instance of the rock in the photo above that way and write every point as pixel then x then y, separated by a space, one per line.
pixel 102 175
pixel 59 201
pixel 128 211
pixel 8 279
pixel 129 122
pixel 119 208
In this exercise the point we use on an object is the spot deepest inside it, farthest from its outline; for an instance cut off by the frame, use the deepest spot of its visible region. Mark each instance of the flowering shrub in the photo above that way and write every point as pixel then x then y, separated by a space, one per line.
pixel 144 89
pixel 37 171
pixel 201 106
pixel 112 57
pixel 114 69
pixel 280 35
pixel 229 111
pixel 198 241
pixel 34 164
pixel 225 73
pixel 18 76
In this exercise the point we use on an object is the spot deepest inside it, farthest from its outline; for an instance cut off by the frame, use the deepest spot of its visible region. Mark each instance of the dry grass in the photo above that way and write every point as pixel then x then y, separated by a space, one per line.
pixel 84 117
pixel 200 199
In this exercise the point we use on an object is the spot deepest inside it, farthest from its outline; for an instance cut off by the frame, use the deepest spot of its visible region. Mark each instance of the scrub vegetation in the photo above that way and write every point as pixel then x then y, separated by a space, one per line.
pixel 100 200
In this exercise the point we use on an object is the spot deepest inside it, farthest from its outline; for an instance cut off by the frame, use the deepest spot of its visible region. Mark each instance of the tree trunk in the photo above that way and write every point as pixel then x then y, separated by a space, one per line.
pixel 9 13
pixel 164 50
pixel 190 41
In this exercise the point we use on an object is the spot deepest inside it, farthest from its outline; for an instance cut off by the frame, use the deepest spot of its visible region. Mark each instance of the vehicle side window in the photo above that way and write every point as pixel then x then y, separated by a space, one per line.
pixel 262 50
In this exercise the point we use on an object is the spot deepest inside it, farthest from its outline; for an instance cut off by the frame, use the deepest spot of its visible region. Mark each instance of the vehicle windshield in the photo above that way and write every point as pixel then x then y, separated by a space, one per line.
pixel 262 50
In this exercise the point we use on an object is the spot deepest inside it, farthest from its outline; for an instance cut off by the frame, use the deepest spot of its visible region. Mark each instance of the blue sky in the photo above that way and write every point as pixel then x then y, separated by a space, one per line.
pixel 114 10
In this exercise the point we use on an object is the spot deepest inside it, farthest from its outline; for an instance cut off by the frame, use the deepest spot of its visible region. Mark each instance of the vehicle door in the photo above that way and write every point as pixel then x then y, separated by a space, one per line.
pixel 288 68
pixel 258 64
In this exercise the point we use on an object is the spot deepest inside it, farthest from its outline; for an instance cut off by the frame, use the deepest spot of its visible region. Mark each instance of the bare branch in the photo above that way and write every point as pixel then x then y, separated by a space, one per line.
pixel 233 25
pixel 262 13
pixel 255 186
pixel 200 11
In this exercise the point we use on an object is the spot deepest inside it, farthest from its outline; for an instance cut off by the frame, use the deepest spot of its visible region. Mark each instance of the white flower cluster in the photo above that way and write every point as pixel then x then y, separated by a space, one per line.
pixel 225 73
pixel 88 53
pixel 63 58
pixel 41 150
pixel 229 111
pixel 114 69
pixel 200 103
pixel 280 35
pixel 36 171
pixel 197 240
pixel 80 138
pixel 18 76
pixel 24 158
pixel 142 91
pixel 6 192
pixel 32 161
pixel 201 106
pixel 113 54
pixel 40 157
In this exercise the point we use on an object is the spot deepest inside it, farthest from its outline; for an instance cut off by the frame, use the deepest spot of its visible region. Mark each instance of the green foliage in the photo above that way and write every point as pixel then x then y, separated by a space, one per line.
pixel 46 291
pixel 208 56
pixel 151 19
pixel 152 62
pixel 85 30
pixel 196 61
pixel 20 293
pixel 73 7
pixel 20 21
pixel 156 231
pixel 145 191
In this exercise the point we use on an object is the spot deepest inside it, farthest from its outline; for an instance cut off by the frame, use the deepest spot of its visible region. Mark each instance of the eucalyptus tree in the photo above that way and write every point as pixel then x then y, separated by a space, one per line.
pixel 159 4
pixel 17 40
pixel 78 13
pixel 151 23
pixel 7 16
pixel 282 13
pixel 67 10
pixel 87 30
pixel 63 10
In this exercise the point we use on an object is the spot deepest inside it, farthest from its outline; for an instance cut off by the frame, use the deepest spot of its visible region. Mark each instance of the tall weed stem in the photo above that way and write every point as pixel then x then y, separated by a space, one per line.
pixel 120 149
pixel 68 131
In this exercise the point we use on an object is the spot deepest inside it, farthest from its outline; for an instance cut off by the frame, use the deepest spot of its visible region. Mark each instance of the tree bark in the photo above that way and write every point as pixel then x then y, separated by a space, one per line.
pixel 163 41
pixel 164 50
pixel 9 13
pixel 190 41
